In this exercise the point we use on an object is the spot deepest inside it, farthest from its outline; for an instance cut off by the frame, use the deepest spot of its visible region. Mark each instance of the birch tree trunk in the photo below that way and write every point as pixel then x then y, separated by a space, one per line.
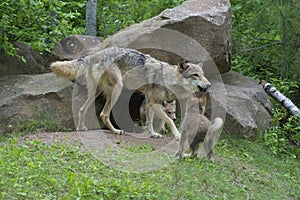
pixel 278 96
pixel 91 17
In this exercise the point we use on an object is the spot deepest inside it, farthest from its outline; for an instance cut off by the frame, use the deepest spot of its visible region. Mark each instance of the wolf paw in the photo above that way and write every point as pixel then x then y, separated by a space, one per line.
pixel 156 135
pixel 177 155
pixel 83 128
pixel 177 137
pixel 187 155
pixel 163 131
pixel 119 132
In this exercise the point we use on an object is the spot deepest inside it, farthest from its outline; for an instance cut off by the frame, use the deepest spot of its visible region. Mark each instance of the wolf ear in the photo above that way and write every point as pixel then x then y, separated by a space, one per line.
pixel 182 65
pixel 174 102
pixel 164 103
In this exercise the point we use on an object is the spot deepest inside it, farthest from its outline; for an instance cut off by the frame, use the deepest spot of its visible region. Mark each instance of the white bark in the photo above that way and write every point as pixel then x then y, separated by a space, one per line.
pixel 91 17
pixel 278 96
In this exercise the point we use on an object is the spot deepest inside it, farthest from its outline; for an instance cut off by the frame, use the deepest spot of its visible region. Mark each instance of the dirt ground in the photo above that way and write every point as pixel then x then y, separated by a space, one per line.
pixel 82 137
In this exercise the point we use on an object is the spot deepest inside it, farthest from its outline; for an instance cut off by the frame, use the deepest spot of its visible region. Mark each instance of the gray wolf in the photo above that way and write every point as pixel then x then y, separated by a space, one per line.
pixel 107 71
pixel 169 108
pixel 197 128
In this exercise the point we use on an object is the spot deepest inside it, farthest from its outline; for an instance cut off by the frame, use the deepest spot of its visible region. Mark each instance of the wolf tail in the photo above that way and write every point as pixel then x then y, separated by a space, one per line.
pixel 216 126
pixel 213 134
pixel 67 69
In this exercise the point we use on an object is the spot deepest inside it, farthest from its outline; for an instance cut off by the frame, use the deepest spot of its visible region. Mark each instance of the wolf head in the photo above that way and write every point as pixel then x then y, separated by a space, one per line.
pixel 194 74
pixel 170 108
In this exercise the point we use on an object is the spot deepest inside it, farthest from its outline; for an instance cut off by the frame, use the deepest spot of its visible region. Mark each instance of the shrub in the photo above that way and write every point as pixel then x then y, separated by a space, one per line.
pixel 38 23
pixel 266 35
pixel 115 15
pixel 41 23
pixel 284 135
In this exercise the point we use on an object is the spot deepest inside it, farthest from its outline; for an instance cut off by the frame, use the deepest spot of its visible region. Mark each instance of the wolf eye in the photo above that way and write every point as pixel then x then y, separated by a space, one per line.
pixel 196 75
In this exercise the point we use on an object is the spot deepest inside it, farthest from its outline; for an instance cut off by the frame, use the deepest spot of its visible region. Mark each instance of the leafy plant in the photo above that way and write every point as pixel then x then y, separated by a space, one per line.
pixel 39 23
pixel 266 46
pixel 284 135
pixel 115 15
pixel 288 87
pixel 266 36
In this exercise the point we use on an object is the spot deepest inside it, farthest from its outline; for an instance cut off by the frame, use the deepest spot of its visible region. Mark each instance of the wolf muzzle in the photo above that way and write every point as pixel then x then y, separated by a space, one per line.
pixel 204 89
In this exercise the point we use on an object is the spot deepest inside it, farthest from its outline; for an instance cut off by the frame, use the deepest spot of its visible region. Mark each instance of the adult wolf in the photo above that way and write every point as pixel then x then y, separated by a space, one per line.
pixel 107 71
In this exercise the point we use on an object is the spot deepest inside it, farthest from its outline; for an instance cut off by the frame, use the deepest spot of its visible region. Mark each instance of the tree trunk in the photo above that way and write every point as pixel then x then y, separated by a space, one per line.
pixel 278 96
pixel 91 17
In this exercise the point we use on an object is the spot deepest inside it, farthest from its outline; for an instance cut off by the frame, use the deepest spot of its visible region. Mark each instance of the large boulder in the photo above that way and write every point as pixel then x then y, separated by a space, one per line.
pixel 13 65
pixel 186 31
pixel 35 97
pixel 26 97
pixel 248 108
pixel 198 31
pixel 75 46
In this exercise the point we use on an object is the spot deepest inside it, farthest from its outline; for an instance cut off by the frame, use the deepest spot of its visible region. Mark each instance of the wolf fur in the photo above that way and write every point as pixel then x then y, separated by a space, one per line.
pixel 107 71
pixel 168 107
pixel 197 128
pixel 202 100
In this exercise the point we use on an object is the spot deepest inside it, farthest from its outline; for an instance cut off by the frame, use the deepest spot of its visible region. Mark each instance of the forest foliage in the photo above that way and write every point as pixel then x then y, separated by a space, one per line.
pixel 41 23
pixel 266 45
pixel 267 37
pixel 265 33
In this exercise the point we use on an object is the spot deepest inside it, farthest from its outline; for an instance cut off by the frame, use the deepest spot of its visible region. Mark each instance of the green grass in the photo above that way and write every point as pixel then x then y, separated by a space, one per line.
pixel 143 148
pixel 241 169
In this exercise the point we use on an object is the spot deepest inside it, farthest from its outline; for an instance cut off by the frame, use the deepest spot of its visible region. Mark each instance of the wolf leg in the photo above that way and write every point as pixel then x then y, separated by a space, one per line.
pixel 194 151
pixel 149 121
pixel 213 133
pixel 157 108
pixel 82 112
pixel 161 127
pixel 91 86
pixel 143 113
pixel 112 95
pixel 179 152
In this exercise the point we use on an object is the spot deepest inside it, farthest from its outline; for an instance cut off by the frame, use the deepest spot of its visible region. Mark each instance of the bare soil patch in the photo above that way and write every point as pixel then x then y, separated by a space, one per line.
pixel 75 138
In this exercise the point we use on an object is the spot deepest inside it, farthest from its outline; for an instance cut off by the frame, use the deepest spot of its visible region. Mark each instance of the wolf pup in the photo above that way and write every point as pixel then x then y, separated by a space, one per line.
pixel 202 100
pixel 107 71
pixel 197 128
pixel 168 107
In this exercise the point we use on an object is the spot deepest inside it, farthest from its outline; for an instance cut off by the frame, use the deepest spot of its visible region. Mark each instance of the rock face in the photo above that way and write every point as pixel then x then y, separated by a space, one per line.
pixel 12 65
pixel 76 46
pixel 247 105
pixel 196 31
pixel 25 97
